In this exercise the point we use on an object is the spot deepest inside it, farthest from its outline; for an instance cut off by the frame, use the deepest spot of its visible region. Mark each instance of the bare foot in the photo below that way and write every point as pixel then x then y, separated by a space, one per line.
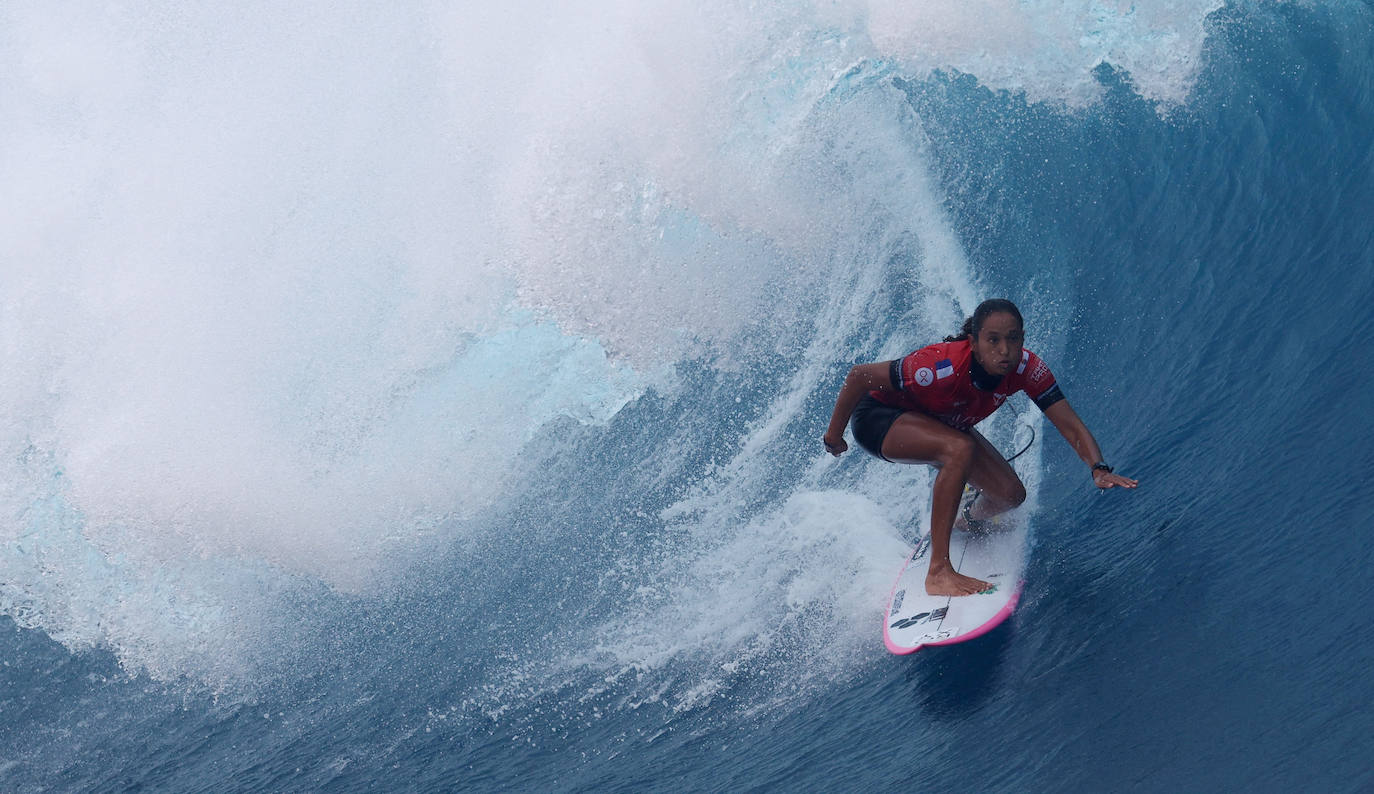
pixel 949 582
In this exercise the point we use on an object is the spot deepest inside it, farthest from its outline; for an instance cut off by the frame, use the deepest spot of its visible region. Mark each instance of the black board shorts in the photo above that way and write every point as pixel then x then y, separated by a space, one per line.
pixel 870 423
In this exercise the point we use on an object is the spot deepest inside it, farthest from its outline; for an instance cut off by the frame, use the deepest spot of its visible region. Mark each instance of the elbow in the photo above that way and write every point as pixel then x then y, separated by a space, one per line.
pixel 862 380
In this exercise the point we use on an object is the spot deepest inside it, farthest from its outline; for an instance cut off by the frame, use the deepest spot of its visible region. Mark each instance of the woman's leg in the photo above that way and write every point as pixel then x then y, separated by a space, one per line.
pixel 993 475
pixel 960 458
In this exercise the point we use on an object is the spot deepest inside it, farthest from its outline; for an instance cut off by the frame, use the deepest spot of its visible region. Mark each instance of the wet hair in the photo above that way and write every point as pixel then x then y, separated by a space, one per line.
pixel 974 324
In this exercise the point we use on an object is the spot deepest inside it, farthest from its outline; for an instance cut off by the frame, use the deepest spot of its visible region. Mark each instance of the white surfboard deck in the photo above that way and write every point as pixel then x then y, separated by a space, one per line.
pixel 914 619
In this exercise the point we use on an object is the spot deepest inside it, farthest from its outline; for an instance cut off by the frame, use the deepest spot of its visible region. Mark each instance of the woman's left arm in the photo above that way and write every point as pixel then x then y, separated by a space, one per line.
pixel 1076 433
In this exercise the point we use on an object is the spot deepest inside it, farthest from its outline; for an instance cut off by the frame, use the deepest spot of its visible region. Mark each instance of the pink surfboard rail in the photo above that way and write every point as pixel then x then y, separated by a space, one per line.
pixel 993 622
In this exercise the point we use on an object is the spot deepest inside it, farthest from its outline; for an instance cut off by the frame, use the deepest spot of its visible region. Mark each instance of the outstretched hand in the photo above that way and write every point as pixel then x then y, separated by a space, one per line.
pixel 1105 479
pixel 835 446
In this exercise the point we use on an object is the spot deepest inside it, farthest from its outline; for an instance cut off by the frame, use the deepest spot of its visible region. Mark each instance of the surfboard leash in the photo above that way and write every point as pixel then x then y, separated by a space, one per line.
pixel 1026 447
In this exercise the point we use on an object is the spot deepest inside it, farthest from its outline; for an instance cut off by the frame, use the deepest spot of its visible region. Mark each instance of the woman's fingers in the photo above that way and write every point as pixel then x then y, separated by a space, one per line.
pixel 1112 480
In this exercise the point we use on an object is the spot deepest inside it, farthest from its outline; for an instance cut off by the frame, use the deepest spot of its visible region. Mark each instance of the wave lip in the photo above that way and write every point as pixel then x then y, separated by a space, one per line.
pixel 1049 50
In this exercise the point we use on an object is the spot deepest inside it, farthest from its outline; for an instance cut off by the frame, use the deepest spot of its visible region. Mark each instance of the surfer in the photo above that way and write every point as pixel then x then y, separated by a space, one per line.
pixel 922 408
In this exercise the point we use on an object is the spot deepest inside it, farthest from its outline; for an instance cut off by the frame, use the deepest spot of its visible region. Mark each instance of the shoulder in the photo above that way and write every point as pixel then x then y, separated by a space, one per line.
pixel 1034 373
pixel 922 368
pixel 953 351
pixel 1031 363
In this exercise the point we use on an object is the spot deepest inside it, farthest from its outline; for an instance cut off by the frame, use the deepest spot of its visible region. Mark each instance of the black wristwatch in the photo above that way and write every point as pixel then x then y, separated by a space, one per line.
pixel 1102 466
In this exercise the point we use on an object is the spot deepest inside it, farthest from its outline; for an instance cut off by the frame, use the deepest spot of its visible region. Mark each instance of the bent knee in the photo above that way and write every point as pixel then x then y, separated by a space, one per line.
pixel 959 451
pixel 1017 495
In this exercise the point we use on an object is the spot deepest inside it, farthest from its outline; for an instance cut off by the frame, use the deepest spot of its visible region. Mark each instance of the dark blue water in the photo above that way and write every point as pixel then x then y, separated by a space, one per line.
pixel 682 593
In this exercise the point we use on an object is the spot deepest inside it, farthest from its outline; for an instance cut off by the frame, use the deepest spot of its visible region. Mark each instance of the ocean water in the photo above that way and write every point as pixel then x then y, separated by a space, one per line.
pixel 429 399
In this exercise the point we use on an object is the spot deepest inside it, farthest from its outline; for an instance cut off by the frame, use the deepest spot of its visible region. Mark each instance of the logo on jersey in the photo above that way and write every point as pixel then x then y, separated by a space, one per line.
pixel 1039 372
pixel 924 376
pixel 998 399
pixel 943 369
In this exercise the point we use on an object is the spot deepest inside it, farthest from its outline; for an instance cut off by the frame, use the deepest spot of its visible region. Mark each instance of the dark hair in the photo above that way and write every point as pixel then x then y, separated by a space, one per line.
pixel 974 324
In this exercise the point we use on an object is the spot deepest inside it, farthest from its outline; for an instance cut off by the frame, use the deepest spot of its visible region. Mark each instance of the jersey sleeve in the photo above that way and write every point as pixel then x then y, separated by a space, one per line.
pixel 1038 382
pixel 914 373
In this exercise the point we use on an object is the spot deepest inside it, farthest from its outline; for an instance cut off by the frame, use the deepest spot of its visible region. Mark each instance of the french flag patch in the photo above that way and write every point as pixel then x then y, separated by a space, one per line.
pixel 1025 359
pixel 944 368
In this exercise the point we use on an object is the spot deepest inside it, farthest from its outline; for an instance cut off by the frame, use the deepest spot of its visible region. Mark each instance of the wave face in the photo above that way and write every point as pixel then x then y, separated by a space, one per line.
pixel 437 391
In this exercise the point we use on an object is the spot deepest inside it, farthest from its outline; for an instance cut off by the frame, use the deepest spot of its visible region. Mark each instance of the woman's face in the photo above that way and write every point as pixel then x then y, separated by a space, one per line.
pixel 998 343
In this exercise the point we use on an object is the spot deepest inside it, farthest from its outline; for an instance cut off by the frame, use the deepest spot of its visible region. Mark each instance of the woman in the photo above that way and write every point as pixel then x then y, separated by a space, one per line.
pixel 922 409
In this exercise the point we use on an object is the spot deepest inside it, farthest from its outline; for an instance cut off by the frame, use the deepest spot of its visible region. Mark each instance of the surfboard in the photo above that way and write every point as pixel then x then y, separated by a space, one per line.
pixel 914 619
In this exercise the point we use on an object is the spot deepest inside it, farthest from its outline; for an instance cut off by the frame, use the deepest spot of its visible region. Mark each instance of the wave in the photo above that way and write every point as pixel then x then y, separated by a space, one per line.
pixel 297 298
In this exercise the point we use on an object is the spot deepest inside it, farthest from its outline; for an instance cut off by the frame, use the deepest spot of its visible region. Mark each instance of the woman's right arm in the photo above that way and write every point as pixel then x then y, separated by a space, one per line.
pixel 862 379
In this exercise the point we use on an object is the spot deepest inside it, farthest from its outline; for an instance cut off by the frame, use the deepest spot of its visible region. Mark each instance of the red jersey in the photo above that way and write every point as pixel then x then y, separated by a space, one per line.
pixel 939 380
